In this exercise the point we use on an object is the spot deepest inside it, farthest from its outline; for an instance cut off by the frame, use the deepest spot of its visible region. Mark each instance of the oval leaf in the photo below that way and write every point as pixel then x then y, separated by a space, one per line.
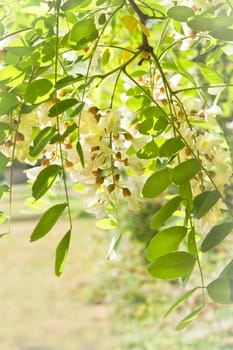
pixel 8 101
pixel 180 13
pixel 41 140
pixel 44 180
pixel 171 147
pixel 62 106
pixel 47 221
pixel 185 171
pixel 216 235
pixel 61 253
pixel 149 151
pixel 156 183
pixel 221 290
pixel 204 202
pixel 165 212
pixel 37 88
pixel 172 265
pixel 165 242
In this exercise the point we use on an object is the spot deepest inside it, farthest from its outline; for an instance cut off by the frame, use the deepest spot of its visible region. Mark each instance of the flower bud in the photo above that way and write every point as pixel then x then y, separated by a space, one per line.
pixel 126 192
pixel 111 188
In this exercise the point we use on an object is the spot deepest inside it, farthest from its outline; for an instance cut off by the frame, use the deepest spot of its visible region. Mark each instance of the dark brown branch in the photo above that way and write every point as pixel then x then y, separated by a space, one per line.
pixel 142 17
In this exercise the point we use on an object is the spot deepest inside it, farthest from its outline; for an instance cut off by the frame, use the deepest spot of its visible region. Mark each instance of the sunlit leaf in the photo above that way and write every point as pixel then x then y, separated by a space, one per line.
pixel 188 319
pixel 156 183
pixel 106 224
pixel 165 241
pixel 171 147
pixel 62 106
pixel 41 140
pixel 84 32
pixel 185 171
pixel 61 253
pixel 47 221
pixel 149 151
pixel 172 265
pixel 130 22
pixel 37 88
pixel 165 212
pixel 216 235
pixel 45 180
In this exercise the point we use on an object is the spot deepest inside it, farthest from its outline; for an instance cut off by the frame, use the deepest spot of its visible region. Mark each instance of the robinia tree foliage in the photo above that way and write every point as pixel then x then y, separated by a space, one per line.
pixel 124 101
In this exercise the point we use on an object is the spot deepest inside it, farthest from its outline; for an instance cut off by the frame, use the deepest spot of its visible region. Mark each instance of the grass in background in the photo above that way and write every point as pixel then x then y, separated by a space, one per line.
pixel 95 304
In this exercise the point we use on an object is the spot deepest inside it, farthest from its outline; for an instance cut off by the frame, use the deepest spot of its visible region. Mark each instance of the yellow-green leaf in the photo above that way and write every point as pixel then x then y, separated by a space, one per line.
pixel 44 180
pixel 47 221
pixel 165 241
pixel 61 253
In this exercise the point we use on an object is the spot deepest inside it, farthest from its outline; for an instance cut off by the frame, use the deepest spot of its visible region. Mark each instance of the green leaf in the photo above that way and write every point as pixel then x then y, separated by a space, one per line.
pixel 188 319
pixel 180 13
pixel 171 147
pixel 2 29
pixel 62 106
pixel 185 192
pixel 165 242
pixel 70 4
pixel 180 301
pixel 228 271
pixel 3 162
pixel 47 221
pixel 60 137
pixel 84 32
pixel 165 212
pixel 199 23
pixel 106 224
pixel 41 140
pixel 37 88
pixel 8 101
pixel 149 151
pixel 62 253
pixel 153 126
pixel 216 235
pixel 221 290
pixel 80 153
pixel 210 75
pixel 185 171
pixel 156 183
pixel 114 246
pixel 44 180
pixel 4 189
pixel 204 202
pixel 172 265
pixel 106 56
pixel 225 34
pixel 77 110
pixel 5 130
